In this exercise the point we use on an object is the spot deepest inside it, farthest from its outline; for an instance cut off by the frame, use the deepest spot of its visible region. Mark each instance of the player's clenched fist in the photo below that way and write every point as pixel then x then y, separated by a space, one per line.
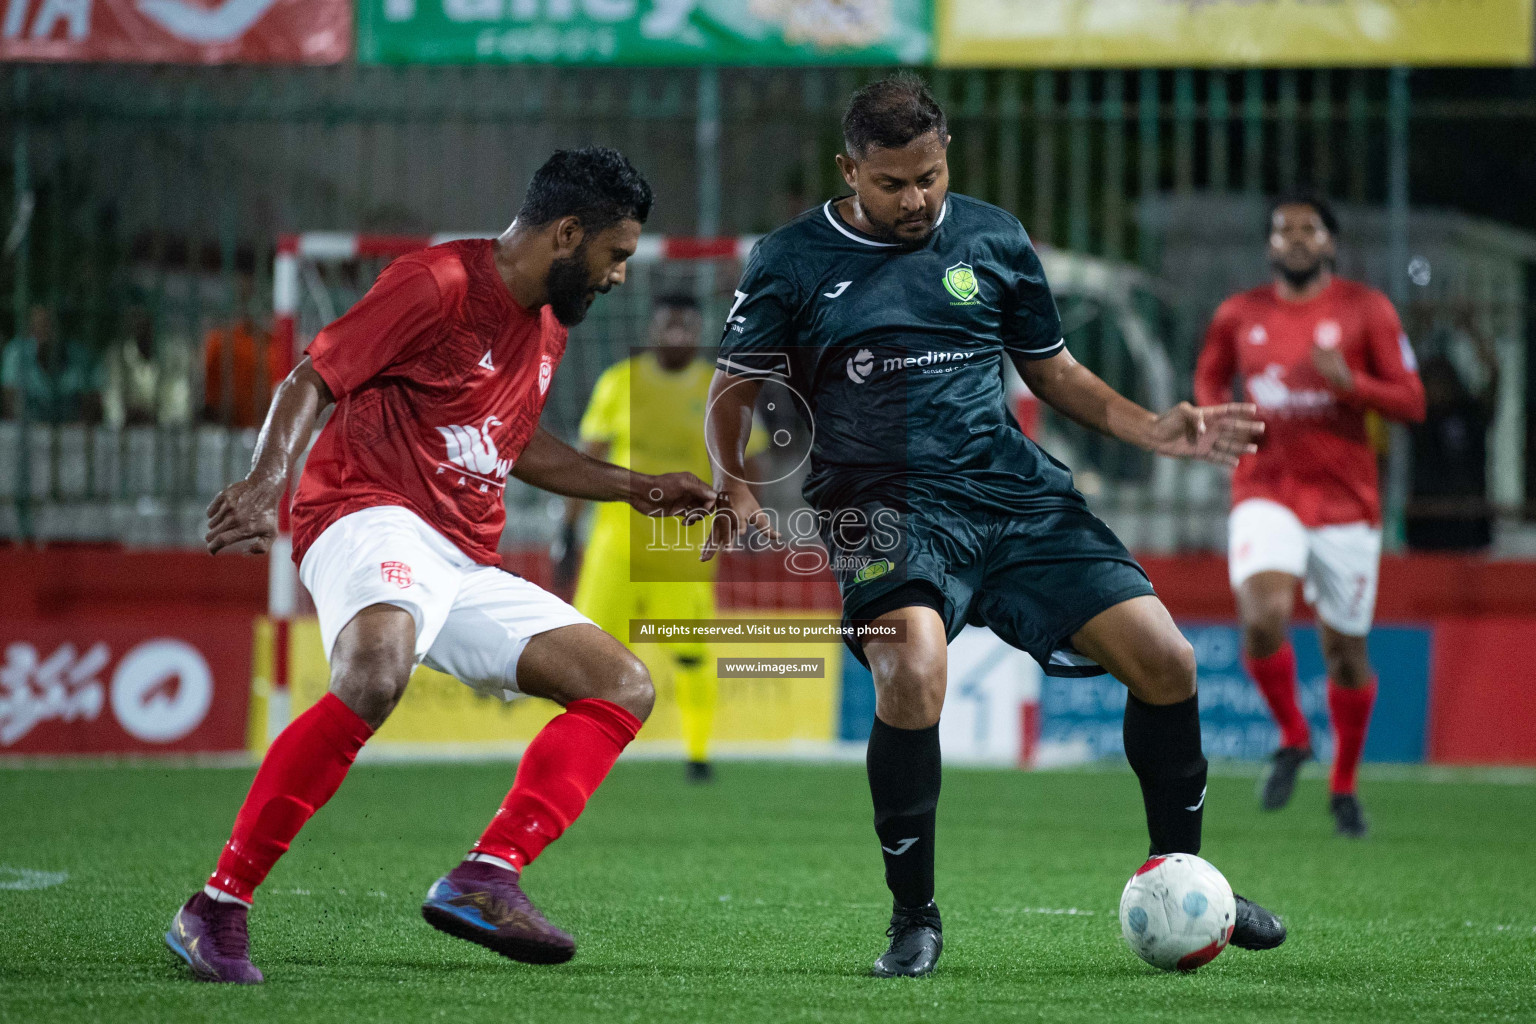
pixel 243 516
pixel 674 494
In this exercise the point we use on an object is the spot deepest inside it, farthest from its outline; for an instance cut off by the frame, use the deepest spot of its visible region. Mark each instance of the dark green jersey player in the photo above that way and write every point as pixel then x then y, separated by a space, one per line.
pixel 889 313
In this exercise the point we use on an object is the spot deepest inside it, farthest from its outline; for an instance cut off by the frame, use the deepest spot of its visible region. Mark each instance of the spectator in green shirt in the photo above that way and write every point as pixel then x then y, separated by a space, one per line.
pixel 57 380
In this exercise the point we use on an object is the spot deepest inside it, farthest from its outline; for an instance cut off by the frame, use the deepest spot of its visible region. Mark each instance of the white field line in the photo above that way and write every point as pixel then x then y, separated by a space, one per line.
pixel 795 752
pixel 26 879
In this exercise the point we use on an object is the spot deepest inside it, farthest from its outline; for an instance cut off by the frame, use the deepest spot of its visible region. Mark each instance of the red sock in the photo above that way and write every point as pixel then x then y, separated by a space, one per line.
pixel 1350 711
pixel 300 773
pixel 562 767
pixel 1275 675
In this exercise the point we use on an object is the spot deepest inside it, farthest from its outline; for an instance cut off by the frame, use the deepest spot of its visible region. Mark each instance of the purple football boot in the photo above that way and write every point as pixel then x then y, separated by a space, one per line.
pixel 211 937
pixel 484 904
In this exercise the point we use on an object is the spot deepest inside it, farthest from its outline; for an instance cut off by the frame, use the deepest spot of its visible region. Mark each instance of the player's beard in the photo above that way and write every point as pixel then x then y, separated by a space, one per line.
pixel 1300 277
pixel 887 233
pixel 569 287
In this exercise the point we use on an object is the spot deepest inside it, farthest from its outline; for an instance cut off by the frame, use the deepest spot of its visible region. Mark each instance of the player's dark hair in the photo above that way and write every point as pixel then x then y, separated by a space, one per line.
pixel 1303 197
pixel 677 300
pixel 596 184
pixel 891 113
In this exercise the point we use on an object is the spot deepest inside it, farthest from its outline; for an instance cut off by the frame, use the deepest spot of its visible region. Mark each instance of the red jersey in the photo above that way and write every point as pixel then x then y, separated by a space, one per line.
pixel 439 377
pixel 1314 457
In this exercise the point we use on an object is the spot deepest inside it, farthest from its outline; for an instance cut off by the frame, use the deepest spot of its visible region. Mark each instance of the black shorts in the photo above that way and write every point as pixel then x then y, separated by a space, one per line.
pixel 1034 579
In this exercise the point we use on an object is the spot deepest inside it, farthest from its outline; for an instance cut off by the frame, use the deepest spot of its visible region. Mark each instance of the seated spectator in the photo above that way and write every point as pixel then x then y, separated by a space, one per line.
pixel 240 366
pixel 1449 509
pixel 49 380
pixel 148 376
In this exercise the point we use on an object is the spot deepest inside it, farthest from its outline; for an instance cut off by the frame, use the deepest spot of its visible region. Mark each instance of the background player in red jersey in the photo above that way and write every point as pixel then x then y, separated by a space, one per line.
pixel 1314 352
pixel 439 375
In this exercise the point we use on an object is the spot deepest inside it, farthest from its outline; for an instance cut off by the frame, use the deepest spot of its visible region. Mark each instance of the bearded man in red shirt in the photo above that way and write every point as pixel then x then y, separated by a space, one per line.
pixel 1315 353
pixel 438 377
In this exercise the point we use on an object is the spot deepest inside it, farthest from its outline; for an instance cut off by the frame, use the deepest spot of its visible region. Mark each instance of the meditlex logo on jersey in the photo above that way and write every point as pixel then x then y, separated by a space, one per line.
pixel 861 365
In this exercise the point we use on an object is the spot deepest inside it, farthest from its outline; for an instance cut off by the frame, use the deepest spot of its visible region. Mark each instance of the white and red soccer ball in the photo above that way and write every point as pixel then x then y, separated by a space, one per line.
pixel 1177 912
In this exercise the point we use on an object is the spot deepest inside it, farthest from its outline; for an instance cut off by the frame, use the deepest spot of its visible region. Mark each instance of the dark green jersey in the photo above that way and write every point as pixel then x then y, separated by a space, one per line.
pixel 898 354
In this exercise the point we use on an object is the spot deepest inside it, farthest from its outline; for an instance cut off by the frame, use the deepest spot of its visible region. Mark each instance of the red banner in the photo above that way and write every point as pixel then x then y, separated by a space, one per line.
pixel 177 31
pixel 176 681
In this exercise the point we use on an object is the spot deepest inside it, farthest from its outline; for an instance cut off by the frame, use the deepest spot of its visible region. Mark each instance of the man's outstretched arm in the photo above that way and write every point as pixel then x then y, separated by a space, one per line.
pixel 550 464
pixel 245 513
pixel 1218 433
pixel 727 429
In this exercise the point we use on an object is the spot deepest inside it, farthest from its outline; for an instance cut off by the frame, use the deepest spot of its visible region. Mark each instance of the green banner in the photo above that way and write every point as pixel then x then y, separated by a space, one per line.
pixel 645 32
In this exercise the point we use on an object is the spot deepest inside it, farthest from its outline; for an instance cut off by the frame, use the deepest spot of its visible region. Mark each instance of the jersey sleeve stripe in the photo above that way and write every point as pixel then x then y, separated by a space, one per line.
pixel 1051 349
pixel 735 366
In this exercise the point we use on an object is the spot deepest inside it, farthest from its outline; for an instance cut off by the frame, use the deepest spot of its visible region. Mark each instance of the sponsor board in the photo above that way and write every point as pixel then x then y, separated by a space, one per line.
pixel 1080 719
pixel 177 31
pixel 438 710
pixel 644 32
pixel 990 690
pixel 1228 33
pixel 110 686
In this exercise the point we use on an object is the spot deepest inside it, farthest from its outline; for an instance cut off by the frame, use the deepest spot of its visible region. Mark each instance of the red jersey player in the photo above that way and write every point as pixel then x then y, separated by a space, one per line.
pixel 1314 352
pixel 438 376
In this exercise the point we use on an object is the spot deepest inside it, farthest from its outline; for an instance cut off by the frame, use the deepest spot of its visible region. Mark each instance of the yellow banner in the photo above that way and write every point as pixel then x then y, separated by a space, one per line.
pixel 440 714
pixel 1228 33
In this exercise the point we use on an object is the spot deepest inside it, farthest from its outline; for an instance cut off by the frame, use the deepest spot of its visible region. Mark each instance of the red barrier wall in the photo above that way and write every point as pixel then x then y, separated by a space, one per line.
pixel 1483 679
pixel 108 651
pixel 1414 588
pixel 70 580
pixel 1482 695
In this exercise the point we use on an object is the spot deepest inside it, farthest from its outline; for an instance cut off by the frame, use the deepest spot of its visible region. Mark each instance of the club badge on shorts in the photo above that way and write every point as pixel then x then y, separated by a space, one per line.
pixel 397 573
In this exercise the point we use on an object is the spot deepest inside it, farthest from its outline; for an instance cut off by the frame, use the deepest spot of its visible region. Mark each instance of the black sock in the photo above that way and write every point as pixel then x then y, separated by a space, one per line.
pixel 1162 742
pixel 904 776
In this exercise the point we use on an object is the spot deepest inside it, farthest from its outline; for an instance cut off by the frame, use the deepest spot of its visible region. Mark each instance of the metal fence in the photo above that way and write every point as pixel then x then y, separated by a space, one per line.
pixel 157 193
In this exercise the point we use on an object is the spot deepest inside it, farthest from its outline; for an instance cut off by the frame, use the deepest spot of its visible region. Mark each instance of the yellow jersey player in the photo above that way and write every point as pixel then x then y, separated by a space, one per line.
pixel 649 411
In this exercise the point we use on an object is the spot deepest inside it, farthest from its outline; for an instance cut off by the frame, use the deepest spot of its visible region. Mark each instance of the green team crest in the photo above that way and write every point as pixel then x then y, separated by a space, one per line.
pixel 960 281
pixel 874 570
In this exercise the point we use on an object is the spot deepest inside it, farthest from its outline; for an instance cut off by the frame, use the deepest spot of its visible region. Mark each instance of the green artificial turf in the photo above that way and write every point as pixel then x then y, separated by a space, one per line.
pixel 760 899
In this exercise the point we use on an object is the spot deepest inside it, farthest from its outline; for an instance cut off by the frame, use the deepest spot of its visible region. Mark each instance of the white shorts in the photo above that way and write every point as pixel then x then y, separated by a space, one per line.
pixel 1338 565
pixel 472 620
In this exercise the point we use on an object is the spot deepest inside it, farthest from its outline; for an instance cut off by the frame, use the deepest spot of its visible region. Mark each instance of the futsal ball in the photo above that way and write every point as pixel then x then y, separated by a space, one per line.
pixel 1177 912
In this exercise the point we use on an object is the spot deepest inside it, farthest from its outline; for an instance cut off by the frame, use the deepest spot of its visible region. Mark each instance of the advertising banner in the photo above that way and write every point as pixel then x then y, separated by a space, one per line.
pixel 644 32
pixel 116 684
pixel 1225 33
pixel 177 31
pixel 991 691
pixel 438 714
pixel 1080 719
